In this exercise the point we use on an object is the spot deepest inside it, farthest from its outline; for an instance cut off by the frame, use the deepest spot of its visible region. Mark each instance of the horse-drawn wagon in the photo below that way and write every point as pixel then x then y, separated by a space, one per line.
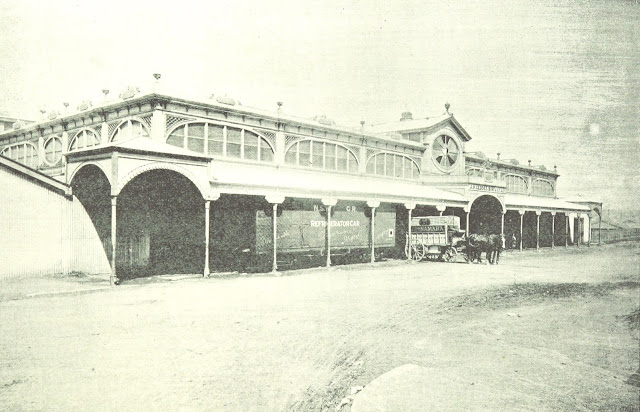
pixel 435 238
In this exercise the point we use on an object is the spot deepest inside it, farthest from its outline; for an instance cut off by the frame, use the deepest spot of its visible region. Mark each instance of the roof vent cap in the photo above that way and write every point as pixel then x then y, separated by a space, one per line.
pixel 84 105
pixel 129 92
pixel 406 116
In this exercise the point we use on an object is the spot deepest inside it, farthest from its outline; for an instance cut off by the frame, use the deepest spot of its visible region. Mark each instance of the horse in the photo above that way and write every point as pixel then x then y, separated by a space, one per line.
pixel 492 245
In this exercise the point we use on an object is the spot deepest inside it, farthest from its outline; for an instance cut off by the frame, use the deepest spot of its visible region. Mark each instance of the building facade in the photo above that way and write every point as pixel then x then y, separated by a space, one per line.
pixel 156 183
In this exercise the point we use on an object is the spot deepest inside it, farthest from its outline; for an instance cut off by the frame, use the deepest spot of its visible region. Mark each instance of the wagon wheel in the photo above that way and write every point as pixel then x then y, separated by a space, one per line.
pixel 417 251
pixel 450 255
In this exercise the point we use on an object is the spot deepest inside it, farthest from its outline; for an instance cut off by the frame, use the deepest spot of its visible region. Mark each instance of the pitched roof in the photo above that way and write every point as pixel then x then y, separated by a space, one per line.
pixel 427 124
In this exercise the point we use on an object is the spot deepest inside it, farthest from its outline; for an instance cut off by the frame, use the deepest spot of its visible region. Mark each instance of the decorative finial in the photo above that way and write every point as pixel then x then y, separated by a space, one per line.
pixel 65 104
pixel 362 123
pixel 157 76
pixel 279 104
pixel 447 106
pixel 105 92
pixel 498 156
pixel 529 162
pixel 555 168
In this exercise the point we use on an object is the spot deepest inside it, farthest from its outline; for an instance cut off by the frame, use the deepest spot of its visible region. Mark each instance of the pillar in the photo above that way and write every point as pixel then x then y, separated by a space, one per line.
pixel 159 125
pixel 538 213
pixel 521 212
pixel 566 233
pixel 113 280
pixel 275 201
pixel 553 229
pixel 373 204
pixel 502 223
pixel 576 232
pixel 329 204
pixel 466 213
pixel 207 206
pixel 410 207
pixel 599 228
pixel 441 208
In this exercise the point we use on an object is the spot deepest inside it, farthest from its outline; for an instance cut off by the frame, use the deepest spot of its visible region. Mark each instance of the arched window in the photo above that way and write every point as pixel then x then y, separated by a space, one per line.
pixel 53 150
pixel 129 129
pixel 542 188
pixel 516 184
pixel 25 153
pixel 219 140
pixel 84 138
pixel 321 155
pixel 393 165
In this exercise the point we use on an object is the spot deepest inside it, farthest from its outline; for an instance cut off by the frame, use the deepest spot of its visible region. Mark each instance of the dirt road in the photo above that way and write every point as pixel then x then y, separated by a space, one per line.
pixel 549 330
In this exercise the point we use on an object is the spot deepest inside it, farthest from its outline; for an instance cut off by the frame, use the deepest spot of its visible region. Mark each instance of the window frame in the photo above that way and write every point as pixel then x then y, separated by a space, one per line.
pixel 384 163
pixel 263 144
pixel 22 161
pixel 319 148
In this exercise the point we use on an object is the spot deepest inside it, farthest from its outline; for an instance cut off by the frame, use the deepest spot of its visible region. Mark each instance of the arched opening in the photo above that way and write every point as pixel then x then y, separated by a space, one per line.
pixel 485 216
pixel 92 188
pixel 160 225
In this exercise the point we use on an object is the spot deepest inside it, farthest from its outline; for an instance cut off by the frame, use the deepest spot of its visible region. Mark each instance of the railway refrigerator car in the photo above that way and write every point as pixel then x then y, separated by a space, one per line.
pixel 301 233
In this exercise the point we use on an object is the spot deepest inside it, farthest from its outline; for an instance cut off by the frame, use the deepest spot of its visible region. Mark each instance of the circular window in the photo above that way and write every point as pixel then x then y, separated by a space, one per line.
pixel 445 152
pixel 53 150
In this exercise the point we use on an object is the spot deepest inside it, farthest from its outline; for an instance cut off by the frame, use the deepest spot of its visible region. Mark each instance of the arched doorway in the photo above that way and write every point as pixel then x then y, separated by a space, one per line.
pixel 161 225
pixel 92 188
pixel 485 216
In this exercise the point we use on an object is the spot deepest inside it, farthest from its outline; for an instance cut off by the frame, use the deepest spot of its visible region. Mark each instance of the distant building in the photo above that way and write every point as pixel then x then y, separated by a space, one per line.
pixel 158 183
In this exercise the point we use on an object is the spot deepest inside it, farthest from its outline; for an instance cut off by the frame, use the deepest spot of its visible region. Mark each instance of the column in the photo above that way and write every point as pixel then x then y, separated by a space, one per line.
pixel 576 231
pixel 553 229
pixel 538 229
pixel 329 204
pixel 275 201
pixel 502 223
pixel 441 208
pixel 566 230
pixel 104 133
pixel 521 212
pixel 466 213
pixel 410 207
pixel 373 204
pixel 159 124
pixel 588 228
pixel 600 228
pixel 207 206
pixel 113 279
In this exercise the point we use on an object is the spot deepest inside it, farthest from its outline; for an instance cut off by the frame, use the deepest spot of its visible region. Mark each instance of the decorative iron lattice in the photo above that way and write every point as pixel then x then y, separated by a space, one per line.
pixel 270 136
pixel 290 139
pixel 173 120
pixel 371 152
pixel 112 128
pixel 146 119
pixel 354 149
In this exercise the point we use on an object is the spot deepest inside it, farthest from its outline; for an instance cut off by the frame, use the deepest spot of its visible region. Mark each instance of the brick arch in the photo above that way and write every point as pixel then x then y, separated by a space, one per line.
pixel 165 166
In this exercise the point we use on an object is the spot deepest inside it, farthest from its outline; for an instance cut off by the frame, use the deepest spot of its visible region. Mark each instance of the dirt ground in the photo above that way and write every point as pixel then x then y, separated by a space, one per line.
pixel 550 330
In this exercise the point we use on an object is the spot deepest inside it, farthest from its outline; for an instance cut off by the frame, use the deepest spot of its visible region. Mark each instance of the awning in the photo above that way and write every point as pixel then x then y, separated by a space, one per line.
pixel 541 203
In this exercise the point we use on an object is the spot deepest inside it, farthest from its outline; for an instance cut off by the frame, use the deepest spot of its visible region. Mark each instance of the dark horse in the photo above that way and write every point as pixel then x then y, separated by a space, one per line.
pixel 492 245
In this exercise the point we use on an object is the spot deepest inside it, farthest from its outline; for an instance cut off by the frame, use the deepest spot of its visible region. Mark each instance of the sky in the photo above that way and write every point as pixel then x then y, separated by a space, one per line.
pixel 556 82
